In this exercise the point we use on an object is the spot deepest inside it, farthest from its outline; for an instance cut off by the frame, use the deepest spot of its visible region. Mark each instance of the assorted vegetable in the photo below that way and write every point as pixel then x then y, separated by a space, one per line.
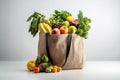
pixel 42 64
pixel 60 22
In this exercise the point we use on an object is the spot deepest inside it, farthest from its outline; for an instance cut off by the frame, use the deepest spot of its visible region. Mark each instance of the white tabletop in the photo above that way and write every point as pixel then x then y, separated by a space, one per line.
pixel 94 70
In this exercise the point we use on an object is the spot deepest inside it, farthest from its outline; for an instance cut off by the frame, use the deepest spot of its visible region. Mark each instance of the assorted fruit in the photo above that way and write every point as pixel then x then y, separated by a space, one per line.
pixel 42 64
pixel 61 22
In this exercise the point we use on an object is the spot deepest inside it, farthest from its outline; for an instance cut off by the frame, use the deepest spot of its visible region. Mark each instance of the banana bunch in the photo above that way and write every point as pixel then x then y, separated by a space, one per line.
pixel 48 22
pixel 44 28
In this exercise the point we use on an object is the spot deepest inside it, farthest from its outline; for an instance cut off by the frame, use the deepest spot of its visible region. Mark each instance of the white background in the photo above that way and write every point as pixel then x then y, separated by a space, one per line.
pixel 17 44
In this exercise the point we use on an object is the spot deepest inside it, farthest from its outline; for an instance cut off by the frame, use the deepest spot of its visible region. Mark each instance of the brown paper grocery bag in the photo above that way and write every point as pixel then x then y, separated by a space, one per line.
pixel 65 50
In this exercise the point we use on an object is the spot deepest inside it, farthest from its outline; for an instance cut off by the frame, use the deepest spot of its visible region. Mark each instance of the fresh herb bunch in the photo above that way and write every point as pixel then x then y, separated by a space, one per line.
pixel 84 26
pixel 35 19
pixel 59 16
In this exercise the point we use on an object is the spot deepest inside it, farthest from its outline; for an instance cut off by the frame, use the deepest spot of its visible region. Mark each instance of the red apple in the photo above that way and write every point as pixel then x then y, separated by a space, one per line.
pixel 75 23
pixel 56 31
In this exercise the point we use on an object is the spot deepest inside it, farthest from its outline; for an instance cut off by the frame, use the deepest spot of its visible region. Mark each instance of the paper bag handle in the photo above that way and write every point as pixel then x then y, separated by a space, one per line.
pixel 68 47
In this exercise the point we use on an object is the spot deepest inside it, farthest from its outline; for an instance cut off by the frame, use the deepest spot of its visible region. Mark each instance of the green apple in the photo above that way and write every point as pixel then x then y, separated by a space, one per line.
pixel 66 23
pixel 72 29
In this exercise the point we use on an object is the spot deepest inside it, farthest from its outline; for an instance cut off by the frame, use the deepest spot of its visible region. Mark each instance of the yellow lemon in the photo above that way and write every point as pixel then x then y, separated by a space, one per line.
pixel 31 65
pixel 70 19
